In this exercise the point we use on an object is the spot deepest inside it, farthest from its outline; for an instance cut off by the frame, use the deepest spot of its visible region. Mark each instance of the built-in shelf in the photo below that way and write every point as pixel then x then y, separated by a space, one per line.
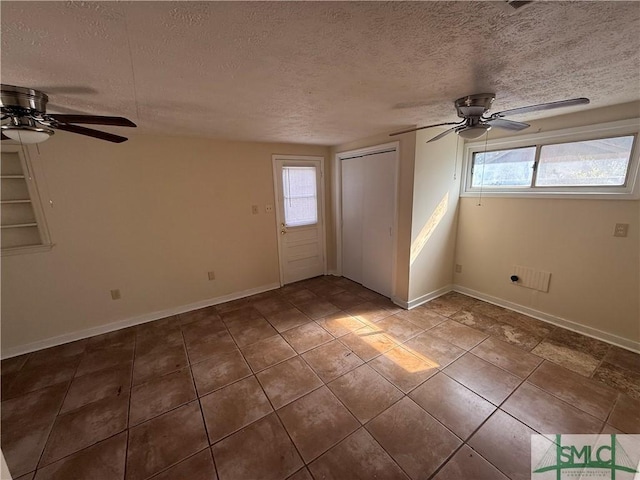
pixel 3 202
pixel 20 225
pixel 11 176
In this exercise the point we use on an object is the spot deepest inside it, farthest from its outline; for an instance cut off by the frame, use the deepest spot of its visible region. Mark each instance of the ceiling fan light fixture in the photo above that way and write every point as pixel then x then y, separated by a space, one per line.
pixel 27 135
pixel 470 133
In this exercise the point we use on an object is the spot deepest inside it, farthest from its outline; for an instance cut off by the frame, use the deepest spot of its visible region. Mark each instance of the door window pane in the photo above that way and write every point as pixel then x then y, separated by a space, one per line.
pixel 300 196
pixel 591 163
pixel 503 168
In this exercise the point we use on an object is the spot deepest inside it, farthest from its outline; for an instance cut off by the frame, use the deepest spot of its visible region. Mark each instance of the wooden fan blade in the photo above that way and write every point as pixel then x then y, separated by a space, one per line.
pixel 508 124
pixel 422 128
pixel 92 120
pixel 90 132
pixel 438 137
pixel 542 106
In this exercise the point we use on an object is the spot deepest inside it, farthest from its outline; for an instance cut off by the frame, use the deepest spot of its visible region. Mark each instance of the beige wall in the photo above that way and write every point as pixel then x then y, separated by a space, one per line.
pixel 404 202
pixel 436 189
pixel 150 217
pixel 595 277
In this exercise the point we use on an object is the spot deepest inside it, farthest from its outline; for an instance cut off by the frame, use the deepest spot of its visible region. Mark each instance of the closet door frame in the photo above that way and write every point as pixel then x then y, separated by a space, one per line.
pixel 337 189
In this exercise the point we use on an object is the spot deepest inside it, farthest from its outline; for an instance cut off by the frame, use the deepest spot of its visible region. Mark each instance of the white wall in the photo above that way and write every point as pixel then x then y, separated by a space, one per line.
pixel 436 189
pixel 595 276
pixel 149 217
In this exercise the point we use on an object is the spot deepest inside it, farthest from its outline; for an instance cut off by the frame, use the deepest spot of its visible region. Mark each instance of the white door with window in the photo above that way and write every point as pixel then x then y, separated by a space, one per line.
pixel 299 193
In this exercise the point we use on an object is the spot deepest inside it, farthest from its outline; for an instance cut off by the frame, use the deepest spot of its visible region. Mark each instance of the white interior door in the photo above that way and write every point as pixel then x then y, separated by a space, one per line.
pixel 299 193
pixel 368 218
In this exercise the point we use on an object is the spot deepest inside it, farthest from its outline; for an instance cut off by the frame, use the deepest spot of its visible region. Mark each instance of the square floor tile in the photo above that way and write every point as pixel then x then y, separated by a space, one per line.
pixel 219 371
pixel 443 306
pixel 626 415
pixel 233 407
pixel 590 396
pixel 514 335
pixel 406 432
pixel 287 381
pixel 474 319
pixel 623 358
pixel 422 317
pixel 302 474
pixel 456 407
pixel 267 352
pixel 369 312
pixel 406 370
pixel 269 306
pixel 564 355
pixel 26 423
pixel 287 319
pixel 200 314
pixel 547 414
pixel 365 392
pixel 468 464
pixel 164 441
pixel 316 422
pixel 160 395
pixel 54 355
pixel 198 467
pixel 457 334
pixel 111 382
pixel 250 332
pixel 307 336
pixel 102 358
pixel 203 329
pixel 487 309
pixel 85 426
pixel 263 450
pixel 14 364
pixel 331 360
pixel 104 460
pixel 340 324
pixel 368 342
pixel 398 328
pixel 534 326
pixel 201 348
pixel 483 378
pixel 623 380
pixel 346 300
pixel 434 349
pixel 30 379
pixel 503 430
pixel 358 457
pixel 317 308
pixel 158 362
pixel 508 357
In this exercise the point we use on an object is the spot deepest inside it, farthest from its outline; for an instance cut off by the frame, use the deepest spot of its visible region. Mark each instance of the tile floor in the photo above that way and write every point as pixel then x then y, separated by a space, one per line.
pixel 320 379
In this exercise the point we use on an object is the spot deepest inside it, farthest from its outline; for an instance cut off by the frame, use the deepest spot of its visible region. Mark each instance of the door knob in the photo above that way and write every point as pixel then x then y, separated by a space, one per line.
pixel 282 232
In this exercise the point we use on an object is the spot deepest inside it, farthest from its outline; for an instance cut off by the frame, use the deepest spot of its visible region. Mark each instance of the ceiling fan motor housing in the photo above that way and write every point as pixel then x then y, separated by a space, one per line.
pixel 474 105
pixel 22 100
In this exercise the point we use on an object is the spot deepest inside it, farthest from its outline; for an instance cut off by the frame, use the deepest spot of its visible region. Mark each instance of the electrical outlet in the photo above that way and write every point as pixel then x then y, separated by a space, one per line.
pixel 268 208
pixel 212 275
pixel 621 230
pixel 255 210
pixel 115 294
pixel 458 268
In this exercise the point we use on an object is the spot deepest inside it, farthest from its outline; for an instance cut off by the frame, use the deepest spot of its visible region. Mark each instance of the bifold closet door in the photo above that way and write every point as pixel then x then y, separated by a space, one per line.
pixel 368 207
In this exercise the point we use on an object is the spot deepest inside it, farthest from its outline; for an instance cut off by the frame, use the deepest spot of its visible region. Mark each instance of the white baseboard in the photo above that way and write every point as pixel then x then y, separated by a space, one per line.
pixel 552 319
pixel 129 322
pixel 416 302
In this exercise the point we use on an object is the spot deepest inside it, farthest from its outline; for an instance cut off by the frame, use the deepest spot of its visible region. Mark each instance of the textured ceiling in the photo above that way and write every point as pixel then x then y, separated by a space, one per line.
pixel 315 72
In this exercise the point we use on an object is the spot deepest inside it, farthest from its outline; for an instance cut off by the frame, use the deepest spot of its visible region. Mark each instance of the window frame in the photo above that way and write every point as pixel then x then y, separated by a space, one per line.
pixel 629 191
pixel 36 203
